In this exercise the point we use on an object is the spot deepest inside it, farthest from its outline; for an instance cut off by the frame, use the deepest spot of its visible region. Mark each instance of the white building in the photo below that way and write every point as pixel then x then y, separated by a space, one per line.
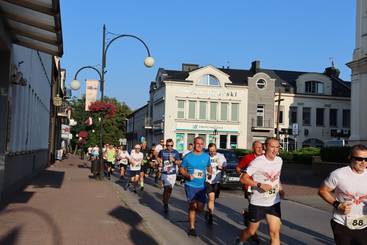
pixel 233 107
pixel 359 77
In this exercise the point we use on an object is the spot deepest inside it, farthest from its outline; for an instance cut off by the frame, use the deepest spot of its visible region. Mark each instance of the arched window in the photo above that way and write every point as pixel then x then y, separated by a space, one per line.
pixel 209 80
pixel 314 87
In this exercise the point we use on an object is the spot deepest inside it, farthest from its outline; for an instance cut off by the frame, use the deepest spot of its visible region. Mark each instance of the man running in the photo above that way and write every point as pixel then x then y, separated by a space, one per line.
pixel 190 146
pixel 263 175
pixel 217 162
pixel 349 184
pixel 257 150
pixel 157 149
pixel 110 158
pixel 123 160
pixel 194 168
pixel 136 159
pixel 169 159
pixel 144 166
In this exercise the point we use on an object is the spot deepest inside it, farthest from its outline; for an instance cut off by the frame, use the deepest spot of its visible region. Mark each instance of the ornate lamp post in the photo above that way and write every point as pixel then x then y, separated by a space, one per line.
pixel 75 84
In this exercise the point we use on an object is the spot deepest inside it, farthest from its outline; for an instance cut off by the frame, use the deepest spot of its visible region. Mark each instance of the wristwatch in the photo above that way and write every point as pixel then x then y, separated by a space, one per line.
pixel 258 185
pixel 336 204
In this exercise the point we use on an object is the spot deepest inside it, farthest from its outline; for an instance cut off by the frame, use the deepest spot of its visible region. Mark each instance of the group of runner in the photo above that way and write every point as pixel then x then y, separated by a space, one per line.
pixel 345 189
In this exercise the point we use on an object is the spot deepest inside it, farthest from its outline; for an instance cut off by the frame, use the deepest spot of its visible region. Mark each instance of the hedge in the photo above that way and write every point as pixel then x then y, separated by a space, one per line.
pixel 335 154
pixel 303 155
pixel 241 152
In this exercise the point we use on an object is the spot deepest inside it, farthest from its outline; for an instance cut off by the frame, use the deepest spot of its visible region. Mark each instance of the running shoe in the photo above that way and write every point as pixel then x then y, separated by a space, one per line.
pixel 165 208
pixel 191 232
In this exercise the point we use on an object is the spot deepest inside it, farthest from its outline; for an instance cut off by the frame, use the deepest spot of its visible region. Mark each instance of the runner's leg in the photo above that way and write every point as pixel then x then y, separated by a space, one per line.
pixel 274 228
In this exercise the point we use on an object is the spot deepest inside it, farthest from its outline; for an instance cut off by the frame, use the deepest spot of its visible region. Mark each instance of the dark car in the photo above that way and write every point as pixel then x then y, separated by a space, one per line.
pixel 230 178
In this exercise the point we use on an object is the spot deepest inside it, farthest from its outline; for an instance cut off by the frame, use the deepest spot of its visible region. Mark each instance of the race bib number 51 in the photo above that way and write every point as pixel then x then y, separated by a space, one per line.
pixel 356 222
pixel 198 174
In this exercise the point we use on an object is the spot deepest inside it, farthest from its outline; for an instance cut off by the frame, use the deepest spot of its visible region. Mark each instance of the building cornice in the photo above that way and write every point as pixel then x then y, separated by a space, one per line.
pixel 306 96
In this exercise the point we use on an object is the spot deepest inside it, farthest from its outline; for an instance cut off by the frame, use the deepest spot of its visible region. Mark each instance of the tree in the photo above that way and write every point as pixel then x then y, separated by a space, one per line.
pixel 114 127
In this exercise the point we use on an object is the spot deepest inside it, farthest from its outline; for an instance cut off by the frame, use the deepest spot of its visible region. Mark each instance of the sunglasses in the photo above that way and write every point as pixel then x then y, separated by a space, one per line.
pixel 169 145
pixel 360 159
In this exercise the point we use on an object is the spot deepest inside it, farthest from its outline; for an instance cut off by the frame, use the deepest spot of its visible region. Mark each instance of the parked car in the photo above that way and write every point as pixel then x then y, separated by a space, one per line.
pixel 230 178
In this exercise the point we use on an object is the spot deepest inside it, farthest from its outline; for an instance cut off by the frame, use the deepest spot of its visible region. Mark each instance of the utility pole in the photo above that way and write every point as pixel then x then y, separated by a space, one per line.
pixel 278 111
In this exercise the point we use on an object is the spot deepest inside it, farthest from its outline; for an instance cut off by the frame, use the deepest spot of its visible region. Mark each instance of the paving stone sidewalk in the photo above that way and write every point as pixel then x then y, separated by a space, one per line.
pixel 62 205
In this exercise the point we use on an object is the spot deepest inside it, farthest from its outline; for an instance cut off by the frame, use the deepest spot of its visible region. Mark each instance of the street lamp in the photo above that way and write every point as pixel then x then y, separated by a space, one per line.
pixel 278 108
pixel 75 84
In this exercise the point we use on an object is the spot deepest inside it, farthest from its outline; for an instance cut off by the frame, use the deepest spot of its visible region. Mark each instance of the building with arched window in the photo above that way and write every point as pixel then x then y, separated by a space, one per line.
pixel 234 107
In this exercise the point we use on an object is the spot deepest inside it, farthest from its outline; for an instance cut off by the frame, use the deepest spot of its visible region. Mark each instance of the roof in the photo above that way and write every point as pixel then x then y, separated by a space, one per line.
pixel 35 24
pixel 137 110
pixel 340 87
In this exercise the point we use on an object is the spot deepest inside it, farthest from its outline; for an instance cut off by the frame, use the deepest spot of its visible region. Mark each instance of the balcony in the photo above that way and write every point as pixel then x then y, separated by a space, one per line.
pixel 262 125
pixel 148 123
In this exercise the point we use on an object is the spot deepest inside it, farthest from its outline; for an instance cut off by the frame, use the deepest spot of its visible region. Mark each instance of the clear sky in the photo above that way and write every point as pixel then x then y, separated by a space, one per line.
pixel 282 34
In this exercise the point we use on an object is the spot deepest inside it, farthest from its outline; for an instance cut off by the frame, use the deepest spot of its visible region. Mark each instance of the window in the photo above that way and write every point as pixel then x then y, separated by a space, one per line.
pixel 213 110
pixel 306 116
pixel 180 142
pixel 223 141
pixel 292 114
pixel 261 84
pixel 234 112
pixel 233 141
pixel 202 111
pixel 319 116
pixel 333 115
pixel 209 80
pixel 346 118
pixel 260 116
pixel 180 109
pixel 190 138
pixel 281 113
pixel 192 111
pixel 224 111
pixel 314 87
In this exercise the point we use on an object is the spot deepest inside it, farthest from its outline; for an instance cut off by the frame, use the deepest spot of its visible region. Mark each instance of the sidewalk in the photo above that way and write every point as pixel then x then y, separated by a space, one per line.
pixel 64 206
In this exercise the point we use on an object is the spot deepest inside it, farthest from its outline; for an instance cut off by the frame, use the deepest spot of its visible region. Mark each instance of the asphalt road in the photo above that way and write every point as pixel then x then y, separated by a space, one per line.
pixel 301 224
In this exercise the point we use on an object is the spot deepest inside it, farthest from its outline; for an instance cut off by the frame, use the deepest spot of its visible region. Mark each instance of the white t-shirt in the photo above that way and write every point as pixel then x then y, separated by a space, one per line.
pixel 136 160
pixel 265 171
pixel 185 152
pixel 352 187
pixel 217 162
pixel 123 157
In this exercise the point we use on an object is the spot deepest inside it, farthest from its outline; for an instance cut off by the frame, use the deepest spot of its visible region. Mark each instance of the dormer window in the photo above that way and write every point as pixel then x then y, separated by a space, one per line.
pixel 209 80
pixel 314 87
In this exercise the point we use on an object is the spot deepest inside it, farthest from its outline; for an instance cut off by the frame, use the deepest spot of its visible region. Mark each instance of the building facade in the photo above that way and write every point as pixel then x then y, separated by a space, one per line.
pixel 359 77
pixel 30 38
pixel 233 107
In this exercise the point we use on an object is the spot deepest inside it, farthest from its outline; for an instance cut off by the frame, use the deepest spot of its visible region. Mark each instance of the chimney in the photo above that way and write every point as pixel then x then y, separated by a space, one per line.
pixel 189 67
pixel 255 66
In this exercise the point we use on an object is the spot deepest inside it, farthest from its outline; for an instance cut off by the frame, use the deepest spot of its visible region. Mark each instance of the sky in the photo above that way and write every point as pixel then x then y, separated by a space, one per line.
pixel 282 34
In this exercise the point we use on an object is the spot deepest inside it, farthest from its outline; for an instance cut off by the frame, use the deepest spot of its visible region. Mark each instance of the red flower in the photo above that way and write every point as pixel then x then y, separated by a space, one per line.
pixel 105 109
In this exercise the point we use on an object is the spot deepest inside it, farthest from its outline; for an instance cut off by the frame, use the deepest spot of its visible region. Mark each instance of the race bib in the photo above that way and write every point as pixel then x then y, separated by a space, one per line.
pixel 356 222
pixel 167 166
pixel 198 174
pixel 272 193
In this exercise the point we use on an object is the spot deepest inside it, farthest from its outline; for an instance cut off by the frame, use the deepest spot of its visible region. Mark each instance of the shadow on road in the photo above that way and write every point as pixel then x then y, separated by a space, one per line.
pixel 133 219
pixel 11 237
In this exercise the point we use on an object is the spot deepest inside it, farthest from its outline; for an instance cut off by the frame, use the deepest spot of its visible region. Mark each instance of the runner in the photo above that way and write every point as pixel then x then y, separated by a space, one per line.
pixel 194 168
pixel 263 175
pixel 136 159
pixel 158 148
pixel 144 166
pixel 349 184
pixel 90 148
pixel 245 161
pixel 169 159
pixel 217 161
pixel 123 160
pixel 110 158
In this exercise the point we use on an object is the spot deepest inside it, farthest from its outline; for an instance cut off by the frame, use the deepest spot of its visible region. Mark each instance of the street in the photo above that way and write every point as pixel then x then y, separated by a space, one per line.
pixel 301 224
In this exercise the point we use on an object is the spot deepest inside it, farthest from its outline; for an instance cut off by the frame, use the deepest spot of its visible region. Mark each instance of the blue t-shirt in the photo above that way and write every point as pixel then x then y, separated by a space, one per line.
pixel 169 167
pixel 196 165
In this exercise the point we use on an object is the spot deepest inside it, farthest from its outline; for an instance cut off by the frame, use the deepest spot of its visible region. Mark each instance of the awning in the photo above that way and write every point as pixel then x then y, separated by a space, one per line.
pixel 34 24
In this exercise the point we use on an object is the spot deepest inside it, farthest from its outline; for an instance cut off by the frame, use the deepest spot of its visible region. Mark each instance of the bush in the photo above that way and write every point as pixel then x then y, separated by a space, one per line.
pixel 335 154
pixel 302 156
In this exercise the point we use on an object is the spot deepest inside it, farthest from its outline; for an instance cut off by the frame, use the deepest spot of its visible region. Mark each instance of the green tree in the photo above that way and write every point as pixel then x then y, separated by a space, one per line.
pixel 114 128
